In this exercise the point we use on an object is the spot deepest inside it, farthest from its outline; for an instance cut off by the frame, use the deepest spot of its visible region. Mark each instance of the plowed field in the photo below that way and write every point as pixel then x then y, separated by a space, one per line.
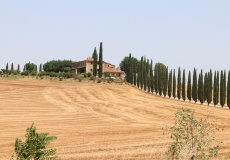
pixel 95 121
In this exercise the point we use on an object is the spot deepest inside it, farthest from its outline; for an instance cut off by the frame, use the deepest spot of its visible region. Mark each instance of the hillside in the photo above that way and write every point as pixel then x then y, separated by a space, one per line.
pixel 95 121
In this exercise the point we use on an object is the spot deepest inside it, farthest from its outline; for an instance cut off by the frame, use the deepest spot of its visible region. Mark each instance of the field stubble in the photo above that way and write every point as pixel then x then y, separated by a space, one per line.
pixel 95 121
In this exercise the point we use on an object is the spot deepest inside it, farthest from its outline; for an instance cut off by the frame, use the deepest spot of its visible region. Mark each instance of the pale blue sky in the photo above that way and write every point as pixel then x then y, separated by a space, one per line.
pixel 175 32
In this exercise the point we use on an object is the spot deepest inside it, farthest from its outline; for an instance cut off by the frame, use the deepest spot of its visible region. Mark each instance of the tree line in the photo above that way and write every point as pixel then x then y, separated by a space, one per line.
pixel 198 87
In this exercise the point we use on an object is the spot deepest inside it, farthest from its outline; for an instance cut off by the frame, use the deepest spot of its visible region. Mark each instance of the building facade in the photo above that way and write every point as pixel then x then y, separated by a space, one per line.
pixel 86 66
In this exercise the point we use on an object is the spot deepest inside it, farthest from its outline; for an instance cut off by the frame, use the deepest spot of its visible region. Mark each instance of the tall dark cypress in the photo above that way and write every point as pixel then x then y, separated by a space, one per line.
pixel 141 73
pixel 95 62
pixel 179 84
pixel 165 82
pixel 134 73
pixel 145 74
pixel 151 77
pixel 206 85
pixel 201 88
pixel 138 73
pixel 18 67
pixel 40 68
pixel 100 72
pixel 148 76
pixel 183 86
pixel 160 80
pixel 222 88
pixel 174 84
pixel 194 86
pixel 156 78
pixel 189 87
pixel 218 87
pixel 228 90
pixel 12 67
pixel 170 84
pixel 7 67
pixel 210 87
pixel 215 90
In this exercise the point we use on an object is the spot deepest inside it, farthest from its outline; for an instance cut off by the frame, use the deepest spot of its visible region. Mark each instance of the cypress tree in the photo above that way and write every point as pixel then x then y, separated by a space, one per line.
pixel 12 67
pixel 95 62
pixel 222 88
pixel 179 84
pixel 160 80
pixel 151 77
pixel 183 86
pixel 40 68
pixel 170 84
pixel 138 74
pixel 218 87
pixel 210 87
pixel 215 90
pixel 156 78
pixel 201 88
pixel 148 76
pixel 189 87
pixel 130 69
pixel 145 74
pixel 228 90
pixel 141 70
pixel 7 67
pixel 165 82
pixel 174 84
pixel 134 73
pixel 100 61
pixel 206 85
pixel 194 86
pixel 18 67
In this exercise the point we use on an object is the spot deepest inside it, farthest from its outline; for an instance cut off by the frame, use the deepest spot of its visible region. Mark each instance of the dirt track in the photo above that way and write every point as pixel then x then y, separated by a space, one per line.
pixel 94 121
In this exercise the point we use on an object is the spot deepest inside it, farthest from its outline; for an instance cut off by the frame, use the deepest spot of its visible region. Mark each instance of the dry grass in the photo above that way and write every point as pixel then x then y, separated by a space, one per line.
pixel 95 121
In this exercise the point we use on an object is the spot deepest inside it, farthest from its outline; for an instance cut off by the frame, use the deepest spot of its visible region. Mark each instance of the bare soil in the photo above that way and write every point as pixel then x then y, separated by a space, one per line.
pixel 95 121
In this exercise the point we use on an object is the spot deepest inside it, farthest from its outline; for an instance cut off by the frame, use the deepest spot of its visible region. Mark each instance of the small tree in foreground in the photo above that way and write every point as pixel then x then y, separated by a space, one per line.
pixel 34 146
pixel 192 139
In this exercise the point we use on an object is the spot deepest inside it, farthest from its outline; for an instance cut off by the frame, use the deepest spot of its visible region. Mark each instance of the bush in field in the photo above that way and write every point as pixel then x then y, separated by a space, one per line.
pixel 192 139
pixel 25 73
pixel 34 146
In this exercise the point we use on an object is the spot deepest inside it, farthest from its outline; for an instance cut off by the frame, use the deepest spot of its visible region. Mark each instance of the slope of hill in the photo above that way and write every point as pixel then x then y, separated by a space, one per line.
pixel 94 121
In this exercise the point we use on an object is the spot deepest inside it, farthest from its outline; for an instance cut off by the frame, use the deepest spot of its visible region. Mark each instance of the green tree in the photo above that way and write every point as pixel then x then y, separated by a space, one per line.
pixel 100 61
pixel 209 87
pixel 215 88
pixel 228 90
pixel 138 73
pixel 189 87
pixel 18 68
pixel 7 67
pixel 222 88
pixel 183 86
pixel 130 71
pixel 192 139
pixel 179 84
pixel 170 84
pixel 165 82
pixel 194 86
pixel 145 73
pixel 156 87
pixel 201 88
pixel 30 67
pixel 141 72
pixel 12 67
pixel 148 75
pixel 56 65
pixel 95 57
pixel 35 146
pixel 151 77
pixel 134 73
pixel 40 68
pixel 174 84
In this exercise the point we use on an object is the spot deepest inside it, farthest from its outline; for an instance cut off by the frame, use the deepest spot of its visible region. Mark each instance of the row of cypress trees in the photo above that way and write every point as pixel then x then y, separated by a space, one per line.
pixel 96 61
pixel 202 87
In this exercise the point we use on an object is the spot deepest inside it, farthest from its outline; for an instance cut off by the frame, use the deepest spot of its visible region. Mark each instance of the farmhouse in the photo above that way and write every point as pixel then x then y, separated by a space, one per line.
pixel 86 66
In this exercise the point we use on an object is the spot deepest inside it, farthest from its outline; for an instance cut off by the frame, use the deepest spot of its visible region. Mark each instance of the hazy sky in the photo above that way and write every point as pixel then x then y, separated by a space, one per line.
pixel 175 32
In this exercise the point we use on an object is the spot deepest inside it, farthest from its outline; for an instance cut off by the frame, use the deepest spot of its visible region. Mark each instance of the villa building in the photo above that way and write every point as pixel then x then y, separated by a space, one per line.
pixel 86 66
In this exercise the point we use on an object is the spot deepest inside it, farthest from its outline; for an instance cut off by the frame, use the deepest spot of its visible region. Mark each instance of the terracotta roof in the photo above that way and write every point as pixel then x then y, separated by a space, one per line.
pixel 113 70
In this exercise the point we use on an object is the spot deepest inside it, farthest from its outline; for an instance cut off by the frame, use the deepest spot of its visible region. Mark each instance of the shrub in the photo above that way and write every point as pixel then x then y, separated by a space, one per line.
pixel 35 145
pixel 192 139
pixel 89 74
pixel 25 73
